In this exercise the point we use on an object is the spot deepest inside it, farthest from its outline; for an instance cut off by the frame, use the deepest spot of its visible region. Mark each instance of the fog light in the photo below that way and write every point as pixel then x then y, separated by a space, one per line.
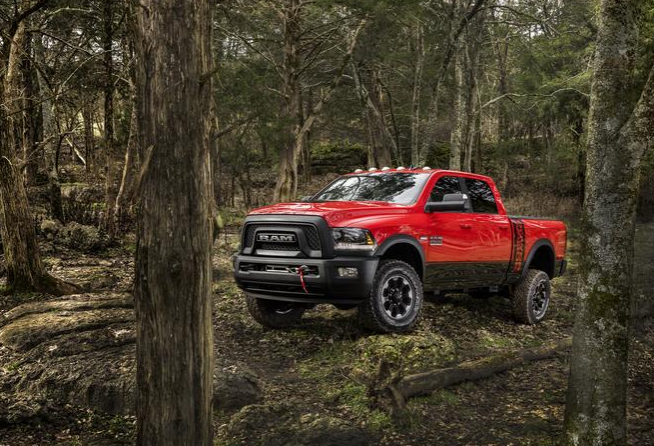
pixel 348 272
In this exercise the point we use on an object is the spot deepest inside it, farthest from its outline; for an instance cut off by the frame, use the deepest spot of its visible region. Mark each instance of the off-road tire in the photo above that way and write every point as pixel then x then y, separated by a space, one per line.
pixel 274 314
pixel 372 313
pixel 523 297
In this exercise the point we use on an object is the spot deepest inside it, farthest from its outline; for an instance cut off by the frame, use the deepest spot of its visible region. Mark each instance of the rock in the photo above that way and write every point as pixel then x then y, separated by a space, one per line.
pixel 332 432
pixel 235 386
pixel 72 190
pixel 50 229
pixel 258 417
pixel 77 350
pixel 81 350
pixel 274 425
pixel 22 409
pixel 106 281
pixel 81 237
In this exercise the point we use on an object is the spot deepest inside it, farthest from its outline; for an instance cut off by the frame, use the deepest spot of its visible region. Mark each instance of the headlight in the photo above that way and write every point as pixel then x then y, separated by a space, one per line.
pixel 352 239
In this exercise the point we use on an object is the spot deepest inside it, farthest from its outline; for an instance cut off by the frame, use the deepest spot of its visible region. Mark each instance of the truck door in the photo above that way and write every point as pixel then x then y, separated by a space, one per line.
pixel 449 241
pixel 491 231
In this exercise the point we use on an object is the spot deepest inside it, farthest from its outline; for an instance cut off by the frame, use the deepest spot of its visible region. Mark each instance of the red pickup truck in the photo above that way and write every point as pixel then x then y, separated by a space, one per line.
pixel 379 239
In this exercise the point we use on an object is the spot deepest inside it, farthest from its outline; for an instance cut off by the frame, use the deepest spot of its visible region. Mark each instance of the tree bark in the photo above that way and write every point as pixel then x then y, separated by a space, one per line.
pixel 618 133
pixel 431 123
pixel 378 154
pixel 89 139
pixel 50 135
pixel 299 125
pixel 112 170
pixel 460 133
pixel 25 270
pixel 417 90
pixel 125 189
pixel 173 259
pixel 29 113
pixel 292 106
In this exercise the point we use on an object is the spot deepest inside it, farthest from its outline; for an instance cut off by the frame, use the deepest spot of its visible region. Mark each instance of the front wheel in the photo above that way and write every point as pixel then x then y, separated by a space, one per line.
pixel 273 313
pixel 531 297
pixel 395 300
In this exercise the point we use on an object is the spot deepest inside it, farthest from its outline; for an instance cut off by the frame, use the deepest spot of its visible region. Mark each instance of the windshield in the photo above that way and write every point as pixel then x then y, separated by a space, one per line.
pixel 399 188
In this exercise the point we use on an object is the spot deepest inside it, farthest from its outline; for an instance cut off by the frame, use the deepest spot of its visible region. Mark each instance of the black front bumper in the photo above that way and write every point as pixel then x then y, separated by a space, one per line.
pixel 323 286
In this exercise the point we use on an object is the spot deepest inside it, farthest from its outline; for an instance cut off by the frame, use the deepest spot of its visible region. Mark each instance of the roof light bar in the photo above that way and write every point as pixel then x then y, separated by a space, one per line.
pixel 401 168
pixel 373 169
pixel 385 168
pixel 358 171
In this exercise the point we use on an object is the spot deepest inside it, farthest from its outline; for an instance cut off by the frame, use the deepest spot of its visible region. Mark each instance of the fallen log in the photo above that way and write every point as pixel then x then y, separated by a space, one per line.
pixel 392 393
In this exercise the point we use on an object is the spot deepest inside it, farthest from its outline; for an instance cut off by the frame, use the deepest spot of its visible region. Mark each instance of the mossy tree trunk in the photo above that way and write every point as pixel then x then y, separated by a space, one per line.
pixel 173 259
pixel 618 133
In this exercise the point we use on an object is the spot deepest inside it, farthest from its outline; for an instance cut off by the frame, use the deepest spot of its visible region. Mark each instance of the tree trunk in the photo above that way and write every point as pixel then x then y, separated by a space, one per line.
pixel 292 106
pixel 173 260
pixel 89 146
pixel 502 55
pixel 125 188
pixel 618 134
pixel 642 301
pixel 25 271
pixel 50 136
pixel 430 127
pixel 459 135
pixel 112 170
pixel 298 125
pixel 378 153
pixel 29 113
pixel 417 90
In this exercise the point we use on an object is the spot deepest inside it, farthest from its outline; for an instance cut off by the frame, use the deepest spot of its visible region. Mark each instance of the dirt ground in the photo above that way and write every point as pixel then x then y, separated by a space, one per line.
pixel 314 372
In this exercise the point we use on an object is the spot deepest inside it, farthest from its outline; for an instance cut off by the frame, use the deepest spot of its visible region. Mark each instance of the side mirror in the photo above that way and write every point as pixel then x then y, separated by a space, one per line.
pixel 451 202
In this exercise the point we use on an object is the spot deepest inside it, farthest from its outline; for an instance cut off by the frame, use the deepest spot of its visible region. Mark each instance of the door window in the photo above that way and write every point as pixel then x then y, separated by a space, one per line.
pixel 481 195
pixel 444 186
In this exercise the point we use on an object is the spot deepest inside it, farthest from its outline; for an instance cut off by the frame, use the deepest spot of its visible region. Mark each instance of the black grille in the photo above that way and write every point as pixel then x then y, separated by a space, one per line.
pixel 279 246
pixel 310 232
pixel 283 289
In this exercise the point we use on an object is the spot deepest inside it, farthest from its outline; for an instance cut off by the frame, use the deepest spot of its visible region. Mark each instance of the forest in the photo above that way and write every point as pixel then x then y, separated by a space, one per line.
pixel 137 137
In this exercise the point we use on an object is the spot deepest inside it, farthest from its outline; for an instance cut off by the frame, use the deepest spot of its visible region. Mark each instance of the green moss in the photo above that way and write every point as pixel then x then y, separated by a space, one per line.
pixel 12 366
pixel 493 341
pixel 412 353
pixel 354 397
pixel 439 398
pixel 322 364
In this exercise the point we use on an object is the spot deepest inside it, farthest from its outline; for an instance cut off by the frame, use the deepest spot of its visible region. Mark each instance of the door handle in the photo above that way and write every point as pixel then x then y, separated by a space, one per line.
pixel 466 226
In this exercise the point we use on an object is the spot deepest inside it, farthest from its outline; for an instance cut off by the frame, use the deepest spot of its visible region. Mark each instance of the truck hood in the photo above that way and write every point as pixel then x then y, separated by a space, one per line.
pixel 336 213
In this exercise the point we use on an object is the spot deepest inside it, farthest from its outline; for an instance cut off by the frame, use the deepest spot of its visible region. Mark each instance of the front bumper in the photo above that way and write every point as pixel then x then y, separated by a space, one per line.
pixel 264 277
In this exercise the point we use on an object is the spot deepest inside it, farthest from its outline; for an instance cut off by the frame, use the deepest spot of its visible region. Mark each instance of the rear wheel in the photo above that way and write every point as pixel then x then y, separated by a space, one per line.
pixel 395 301
pixel 531 297
pixel 273 313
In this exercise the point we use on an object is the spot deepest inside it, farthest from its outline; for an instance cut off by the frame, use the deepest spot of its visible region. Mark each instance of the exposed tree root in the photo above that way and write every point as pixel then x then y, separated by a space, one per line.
pixel 46 284
pixel 392 392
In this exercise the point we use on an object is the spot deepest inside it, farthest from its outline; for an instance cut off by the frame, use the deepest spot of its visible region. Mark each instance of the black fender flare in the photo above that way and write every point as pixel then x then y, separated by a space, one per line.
pixel 532 252
pixel 403 239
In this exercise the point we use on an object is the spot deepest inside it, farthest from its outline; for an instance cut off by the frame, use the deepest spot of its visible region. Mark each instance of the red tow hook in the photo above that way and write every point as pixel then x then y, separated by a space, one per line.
pixel 300 271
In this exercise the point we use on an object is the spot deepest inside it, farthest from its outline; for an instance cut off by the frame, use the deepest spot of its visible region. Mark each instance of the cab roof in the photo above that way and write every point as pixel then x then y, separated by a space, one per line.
pixel 428 170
